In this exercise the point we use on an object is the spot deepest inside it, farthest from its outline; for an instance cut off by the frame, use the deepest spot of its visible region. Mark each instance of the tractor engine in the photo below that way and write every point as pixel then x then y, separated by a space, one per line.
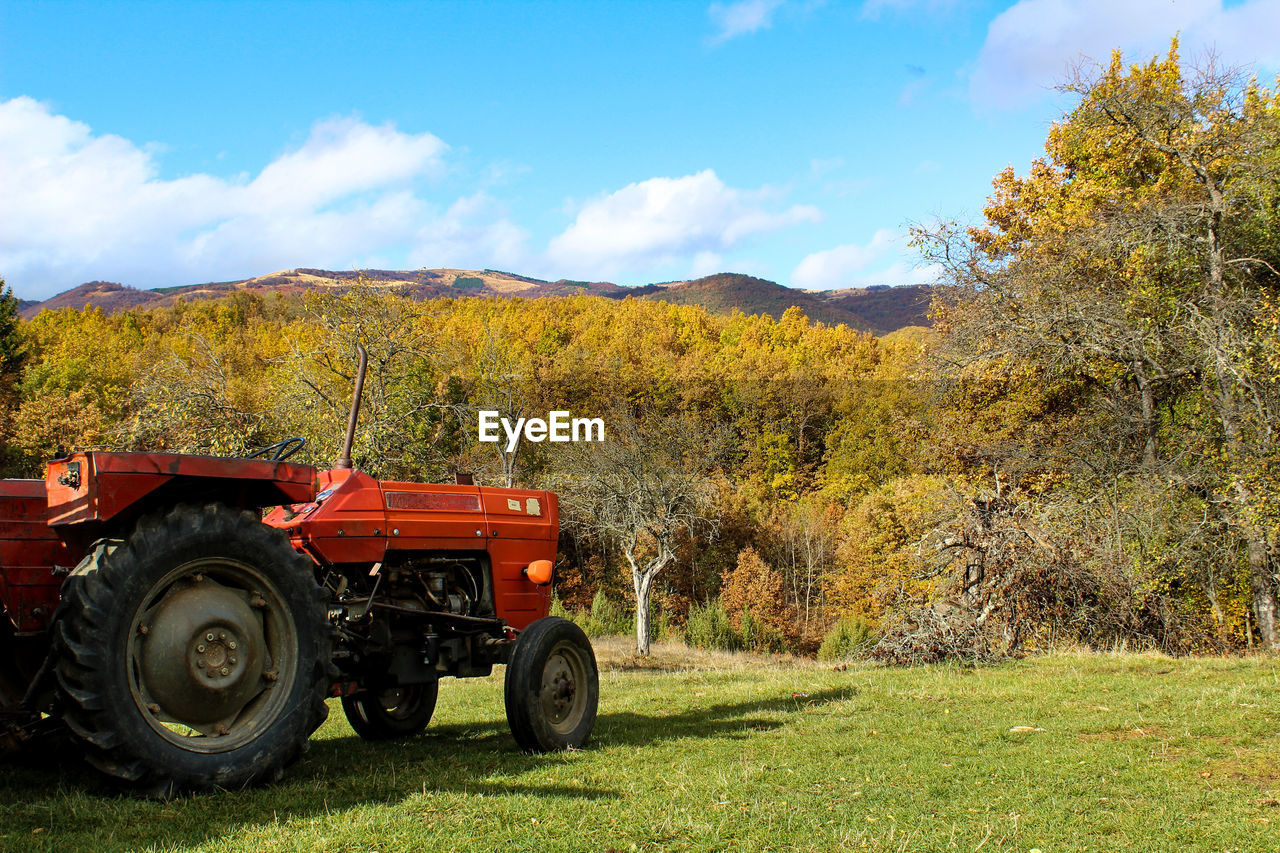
pixel 417 620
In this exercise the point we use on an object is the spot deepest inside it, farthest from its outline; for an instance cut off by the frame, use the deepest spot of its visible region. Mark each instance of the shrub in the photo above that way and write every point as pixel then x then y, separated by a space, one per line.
pixel 848 638
pixel 558 608
pixel 664 628
pixel 757 635
pixel 709 628
pixel 754 585
pixel 605 618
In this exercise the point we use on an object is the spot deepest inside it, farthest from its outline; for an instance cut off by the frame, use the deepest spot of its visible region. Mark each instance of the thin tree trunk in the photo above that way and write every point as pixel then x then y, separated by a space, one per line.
pixel 1263 585
pixel 642 582
pixel 1148 416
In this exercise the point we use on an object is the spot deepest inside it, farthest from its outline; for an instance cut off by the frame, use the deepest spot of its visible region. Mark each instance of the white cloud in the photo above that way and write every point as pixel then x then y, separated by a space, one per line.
pixel 706 263
pixel 473 233
pixel 82 206
pixel 740 18
pixel 856 265
pixel 664 220
pixel 343 157
pixel 1030 46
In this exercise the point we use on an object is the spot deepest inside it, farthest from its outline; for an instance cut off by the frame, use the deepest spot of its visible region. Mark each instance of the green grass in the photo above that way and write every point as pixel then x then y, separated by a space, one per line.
pixel 698 752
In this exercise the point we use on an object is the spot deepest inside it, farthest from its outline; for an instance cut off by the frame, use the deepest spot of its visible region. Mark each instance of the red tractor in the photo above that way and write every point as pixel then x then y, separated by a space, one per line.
pixel 186 617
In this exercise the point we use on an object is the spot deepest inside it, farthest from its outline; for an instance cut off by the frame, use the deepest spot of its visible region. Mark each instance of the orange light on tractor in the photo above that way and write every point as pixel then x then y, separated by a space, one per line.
pixel 539 571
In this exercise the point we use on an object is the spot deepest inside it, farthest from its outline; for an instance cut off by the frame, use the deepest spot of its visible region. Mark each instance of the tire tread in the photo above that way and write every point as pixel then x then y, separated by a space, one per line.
pixel 81 634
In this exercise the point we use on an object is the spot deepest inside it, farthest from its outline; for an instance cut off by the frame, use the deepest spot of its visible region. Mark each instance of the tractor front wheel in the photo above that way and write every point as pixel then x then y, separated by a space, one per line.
pixel 552 687
pixel 193 655
pixel 393 713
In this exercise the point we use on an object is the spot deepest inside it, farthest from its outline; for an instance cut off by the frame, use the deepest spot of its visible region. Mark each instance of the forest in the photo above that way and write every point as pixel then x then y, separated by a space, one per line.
pixel 1081 450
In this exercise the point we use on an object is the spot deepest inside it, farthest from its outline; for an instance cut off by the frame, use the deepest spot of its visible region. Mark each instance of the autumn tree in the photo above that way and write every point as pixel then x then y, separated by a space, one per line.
pixel 401 412
pixel 204 396
pixel 12 355
pixel 756 591
pixel 1125 277
pixel 74 386
pixel 501 384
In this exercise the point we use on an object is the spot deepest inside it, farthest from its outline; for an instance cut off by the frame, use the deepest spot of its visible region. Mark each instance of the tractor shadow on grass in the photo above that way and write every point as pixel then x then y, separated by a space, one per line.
pixel 735 720
pixel 345 772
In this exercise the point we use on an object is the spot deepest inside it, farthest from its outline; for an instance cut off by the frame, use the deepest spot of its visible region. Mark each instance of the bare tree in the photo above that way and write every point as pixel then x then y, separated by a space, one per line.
pixel 642 489
pixel 807 544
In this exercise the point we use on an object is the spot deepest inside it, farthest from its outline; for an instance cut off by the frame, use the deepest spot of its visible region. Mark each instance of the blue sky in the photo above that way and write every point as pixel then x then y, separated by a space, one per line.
pixel 157 144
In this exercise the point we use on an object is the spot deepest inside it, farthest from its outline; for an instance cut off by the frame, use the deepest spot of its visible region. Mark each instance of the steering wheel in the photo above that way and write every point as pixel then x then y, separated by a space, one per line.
pixel 279 451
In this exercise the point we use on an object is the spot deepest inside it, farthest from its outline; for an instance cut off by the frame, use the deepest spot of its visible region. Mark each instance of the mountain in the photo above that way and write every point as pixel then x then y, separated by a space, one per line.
pixel 107 295
pixel 722 293
pixel 420 284
pixel 885 308
pixel 878 310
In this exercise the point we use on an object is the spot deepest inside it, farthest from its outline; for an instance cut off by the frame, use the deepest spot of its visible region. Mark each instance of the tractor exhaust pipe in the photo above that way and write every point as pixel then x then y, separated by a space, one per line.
pixel 344 461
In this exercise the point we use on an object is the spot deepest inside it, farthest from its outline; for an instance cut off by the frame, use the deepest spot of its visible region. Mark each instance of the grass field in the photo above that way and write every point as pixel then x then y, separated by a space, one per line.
pixel 694 752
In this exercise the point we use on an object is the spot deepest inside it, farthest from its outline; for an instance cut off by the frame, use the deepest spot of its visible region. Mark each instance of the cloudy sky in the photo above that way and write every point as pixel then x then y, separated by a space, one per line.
pixel 160 144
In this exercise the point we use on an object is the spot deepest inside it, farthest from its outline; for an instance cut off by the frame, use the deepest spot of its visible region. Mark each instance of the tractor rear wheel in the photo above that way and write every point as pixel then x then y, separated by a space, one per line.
pixel 394 713
pixel 552 687
pixel 193 655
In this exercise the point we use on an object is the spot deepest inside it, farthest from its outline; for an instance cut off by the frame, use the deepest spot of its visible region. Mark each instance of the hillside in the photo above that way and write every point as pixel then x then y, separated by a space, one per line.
pixel 420 284
pixel 724 292
pixel 878 310
pixel 884 308
pixel 107 295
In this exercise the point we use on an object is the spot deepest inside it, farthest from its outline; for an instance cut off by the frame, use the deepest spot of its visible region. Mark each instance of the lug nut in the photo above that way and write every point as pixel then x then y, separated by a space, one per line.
pixel 222 635
pixel 211 673
pixel 209 637
pixel 226 670
pixel 232 645
pixel 232 660
pixel 200 663
pixel 200 648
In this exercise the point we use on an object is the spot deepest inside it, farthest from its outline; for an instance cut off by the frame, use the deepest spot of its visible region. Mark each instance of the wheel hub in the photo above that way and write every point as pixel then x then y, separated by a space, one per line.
pixel 201 659
pixel 559 689
pixel 217 654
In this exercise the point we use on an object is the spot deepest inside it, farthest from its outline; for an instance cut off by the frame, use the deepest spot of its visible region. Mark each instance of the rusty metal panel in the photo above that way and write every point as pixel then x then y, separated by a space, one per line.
pixel 426 511
pixel 98 485
pixel 29 552
pixel 433 501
